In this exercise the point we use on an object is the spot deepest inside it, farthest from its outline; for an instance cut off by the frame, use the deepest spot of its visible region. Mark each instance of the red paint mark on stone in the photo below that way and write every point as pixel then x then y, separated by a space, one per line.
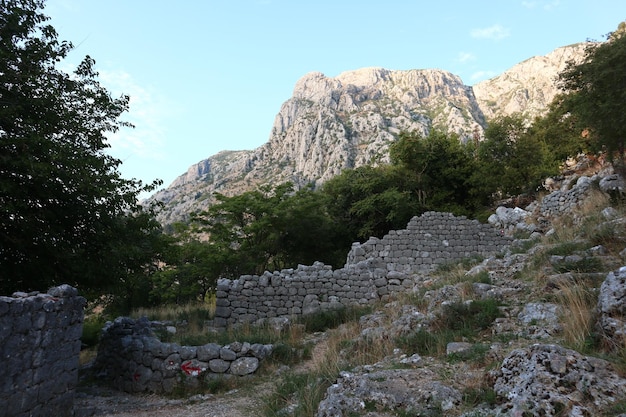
pixel 189 368
pixel 136 376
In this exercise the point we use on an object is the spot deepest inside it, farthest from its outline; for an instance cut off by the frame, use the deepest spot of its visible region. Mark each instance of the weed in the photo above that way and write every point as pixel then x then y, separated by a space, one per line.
pixel 423 343
pixel 616 409
pixel 579 303
pixel 325 320
pixel 473 396
pixel 475 316
pixel 302 393
pixel 92 327
pixel 475 354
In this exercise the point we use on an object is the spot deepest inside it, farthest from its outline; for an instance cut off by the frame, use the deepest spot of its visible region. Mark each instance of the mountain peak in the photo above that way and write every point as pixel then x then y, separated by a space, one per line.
pixel 333 123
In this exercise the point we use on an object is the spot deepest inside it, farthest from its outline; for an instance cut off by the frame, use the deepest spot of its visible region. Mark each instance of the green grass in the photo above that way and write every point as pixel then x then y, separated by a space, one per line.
pixel 457 321
pixel 302 391
pixel 325 320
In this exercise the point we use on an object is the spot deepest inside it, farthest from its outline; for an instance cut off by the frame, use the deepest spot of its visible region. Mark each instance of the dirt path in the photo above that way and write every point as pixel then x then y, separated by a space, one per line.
pixel 104 402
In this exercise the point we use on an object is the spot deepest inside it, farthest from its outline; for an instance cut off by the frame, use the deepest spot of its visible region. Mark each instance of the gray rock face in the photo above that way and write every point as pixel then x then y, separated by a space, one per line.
pixel 244 366
pixel 330 124
pixel 527 87
pixel 400 390
pixel 547 379
pixel 612 305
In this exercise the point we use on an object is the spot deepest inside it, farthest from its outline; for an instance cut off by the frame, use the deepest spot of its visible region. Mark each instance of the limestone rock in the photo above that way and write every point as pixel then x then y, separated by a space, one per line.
pixel 527 87
pixel 547 379
pixel 612 304
pixel 244 366
pixel 399 391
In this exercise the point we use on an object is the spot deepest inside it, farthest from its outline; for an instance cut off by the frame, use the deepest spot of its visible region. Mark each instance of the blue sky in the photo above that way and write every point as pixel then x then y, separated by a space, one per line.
pixel 206 75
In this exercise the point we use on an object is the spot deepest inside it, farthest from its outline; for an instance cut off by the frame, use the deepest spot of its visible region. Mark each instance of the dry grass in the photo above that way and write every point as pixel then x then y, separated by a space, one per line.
pixel 177 312
pixel 578 304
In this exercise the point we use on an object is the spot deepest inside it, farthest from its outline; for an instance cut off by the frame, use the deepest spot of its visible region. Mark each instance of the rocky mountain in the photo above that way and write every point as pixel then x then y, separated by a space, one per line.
pixel 330 124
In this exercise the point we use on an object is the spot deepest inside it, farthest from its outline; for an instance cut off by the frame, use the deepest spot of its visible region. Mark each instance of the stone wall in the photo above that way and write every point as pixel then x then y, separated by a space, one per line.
pixel 39 348
pixel 374 270
pixel 568 198
pixel 133 359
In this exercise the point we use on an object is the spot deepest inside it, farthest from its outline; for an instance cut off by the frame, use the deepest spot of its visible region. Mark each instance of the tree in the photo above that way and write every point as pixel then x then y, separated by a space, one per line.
pixel 66 214
pixel 596 92
pixel 270 228
pixel 441 166
pixel 370 201
pixel 512 160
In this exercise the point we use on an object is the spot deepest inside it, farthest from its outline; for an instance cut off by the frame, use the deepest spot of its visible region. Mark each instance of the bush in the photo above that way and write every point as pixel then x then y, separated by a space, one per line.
pixel 325 320
pixel 474 316
pixel 92 327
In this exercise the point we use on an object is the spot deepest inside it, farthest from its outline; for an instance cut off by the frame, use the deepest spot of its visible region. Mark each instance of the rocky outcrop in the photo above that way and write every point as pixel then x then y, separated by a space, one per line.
pixel 549 380
pixel 612 307
pixel 333 123
pixel 406 391
pixel 528 87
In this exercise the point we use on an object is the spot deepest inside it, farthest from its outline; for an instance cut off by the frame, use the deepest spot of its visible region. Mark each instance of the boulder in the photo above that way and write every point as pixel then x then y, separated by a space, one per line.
pixel 400 391
pixel 244 366
pixel 547 380
pixel 611 306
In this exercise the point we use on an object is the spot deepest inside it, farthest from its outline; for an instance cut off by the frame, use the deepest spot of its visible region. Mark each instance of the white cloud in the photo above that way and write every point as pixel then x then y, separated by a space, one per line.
pixel 545 5
pixel 147 111
pixel 465 57
pixel 482 75
pixel 495 32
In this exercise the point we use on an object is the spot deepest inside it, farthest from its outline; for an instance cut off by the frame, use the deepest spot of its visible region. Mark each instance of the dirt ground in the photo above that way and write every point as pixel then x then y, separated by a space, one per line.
pixel 105 402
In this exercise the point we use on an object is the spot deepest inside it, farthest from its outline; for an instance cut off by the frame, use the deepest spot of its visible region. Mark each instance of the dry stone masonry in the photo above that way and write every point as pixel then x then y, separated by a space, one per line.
pixel 39 348
pixel 374 270
pixel 133 359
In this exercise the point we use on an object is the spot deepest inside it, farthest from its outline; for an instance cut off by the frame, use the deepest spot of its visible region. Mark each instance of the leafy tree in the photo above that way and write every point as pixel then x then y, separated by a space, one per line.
pixel 596 92
pixel 66 214
pixel 441 166
pixel 191 268
pixel 511 159
pixel 269 229
pixel 370 201
pixel 561 132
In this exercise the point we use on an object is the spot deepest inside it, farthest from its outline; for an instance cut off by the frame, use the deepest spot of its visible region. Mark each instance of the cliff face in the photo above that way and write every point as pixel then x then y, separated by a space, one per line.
pixel 527 88
pixel 330 124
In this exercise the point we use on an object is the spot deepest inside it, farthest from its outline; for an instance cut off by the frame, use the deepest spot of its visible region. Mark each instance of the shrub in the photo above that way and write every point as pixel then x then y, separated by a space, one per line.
pixel 92 327
pixel 324 320
pixel 473 316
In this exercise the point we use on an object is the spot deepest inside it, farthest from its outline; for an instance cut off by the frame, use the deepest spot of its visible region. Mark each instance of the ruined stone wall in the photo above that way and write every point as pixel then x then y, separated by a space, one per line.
pixel 566 200
pixel 39 352
pixel 374 270
pixel 133 359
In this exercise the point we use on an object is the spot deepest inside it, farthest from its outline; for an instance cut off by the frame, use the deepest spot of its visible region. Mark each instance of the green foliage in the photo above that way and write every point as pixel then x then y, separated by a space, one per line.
pixel 474 316
pixel 191 269
pixel 305 390
pixel 457 321
pixel 475 354
pixel 92 327
pixel 512 160
pixel 370 201
pixel 270 228
pixel 324 320
pixel 66 215
pixel 474 396
pixel 595 92
pixel 424 342
pixel 440 168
